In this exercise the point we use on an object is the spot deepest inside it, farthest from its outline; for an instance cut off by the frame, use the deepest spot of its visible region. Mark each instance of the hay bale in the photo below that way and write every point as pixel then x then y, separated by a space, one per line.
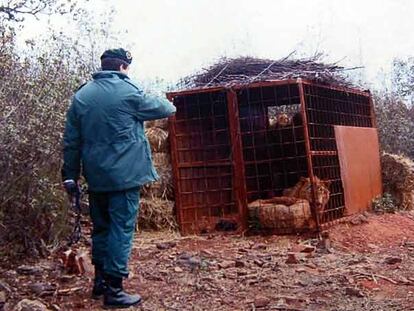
pixel 158 139
pixel 161 160
pixel 162 188
pixel 156 214
pixel 160 123
pixel 398 179
pixel 294 215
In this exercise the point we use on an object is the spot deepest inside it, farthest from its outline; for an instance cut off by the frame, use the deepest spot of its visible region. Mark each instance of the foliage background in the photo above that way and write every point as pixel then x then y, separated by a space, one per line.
pixel 395 121
pixel 36 84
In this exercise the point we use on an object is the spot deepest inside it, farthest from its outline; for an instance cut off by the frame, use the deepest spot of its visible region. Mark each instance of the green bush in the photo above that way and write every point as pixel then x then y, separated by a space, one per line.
pixel 34 96
pixel 384 204
pixel 36 84
pixel 395 121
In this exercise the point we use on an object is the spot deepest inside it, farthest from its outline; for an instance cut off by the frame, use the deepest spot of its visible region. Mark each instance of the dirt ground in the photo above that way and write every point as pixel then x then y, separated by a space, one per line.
pixel 366 263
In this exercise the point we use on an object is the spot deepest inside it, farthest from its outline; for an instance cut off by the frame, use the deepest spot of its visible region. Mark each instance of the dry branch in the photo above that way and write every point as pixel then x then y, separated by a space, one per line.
pixel 245 70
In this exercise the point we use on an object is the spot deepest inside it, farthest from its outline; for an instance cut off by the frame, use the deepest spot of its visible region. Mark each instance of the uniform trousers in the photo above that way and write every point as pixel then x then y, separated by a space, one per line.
pixel 114 215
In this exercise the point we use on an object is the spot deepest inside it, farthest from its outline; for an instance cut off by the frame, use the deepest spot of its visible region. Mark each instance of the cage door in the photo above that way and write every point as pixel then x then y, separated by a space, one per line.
pixel 359 159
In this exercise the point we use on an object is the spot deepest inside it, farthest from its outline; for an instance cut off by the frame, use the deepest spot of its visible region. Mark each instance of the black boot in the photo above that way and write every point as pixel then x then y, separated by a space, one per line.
pixel 115 297
pixel 99 284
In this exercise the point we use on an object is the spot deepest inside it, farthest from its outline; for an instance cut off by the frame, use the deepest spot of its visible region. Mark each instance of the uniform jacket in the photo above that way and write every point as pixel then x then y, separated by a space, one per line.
pixel 104 134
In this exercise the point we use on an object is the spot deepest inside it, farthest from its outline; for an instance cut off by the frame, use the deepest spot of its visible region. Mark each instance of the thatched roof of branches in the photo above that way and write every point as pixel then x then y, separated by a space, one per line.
pixel 245 70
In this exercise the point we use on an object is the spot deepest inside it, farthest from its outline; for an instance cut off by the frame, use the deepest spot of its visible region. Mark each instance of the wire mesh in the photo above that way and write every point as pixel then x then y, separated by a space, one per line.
pixel 274 154
pixel 203 153
pixel 325 108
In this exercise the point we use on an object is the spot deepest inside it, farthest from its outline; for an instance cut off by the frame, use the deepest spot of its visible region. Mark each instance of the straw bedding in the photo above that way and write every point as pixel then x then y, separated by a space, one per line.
pixel 158 139
pixel 157 198
pixel 161 123
pixel 156 214
pixel 162 188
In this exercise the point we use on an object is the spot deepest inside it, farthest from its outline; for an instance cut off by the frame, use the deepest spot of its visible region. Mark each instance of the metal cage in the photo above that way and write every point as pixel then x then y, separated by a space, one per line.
pixel 226 153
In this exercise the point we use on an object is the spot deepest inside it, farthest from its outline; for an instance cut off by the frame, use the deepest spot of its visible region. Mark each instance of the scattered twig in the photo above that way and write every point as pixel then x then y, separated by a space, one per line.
pixel 221 71
pixel 69 291
pixel 372 275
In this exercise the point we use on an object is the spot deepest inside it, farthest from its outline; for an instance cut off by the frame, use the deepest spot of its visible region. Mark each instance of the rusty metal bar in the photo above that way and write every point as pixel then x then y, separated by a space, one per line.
pixel 336 88
pixel 237 157
pixel 239 86
pixel 264 84
pixel 195 91
pixel 308 150
pixel 234 87
pixel 324 153
pixel 204 164
pixel 303 81
pixel 174 161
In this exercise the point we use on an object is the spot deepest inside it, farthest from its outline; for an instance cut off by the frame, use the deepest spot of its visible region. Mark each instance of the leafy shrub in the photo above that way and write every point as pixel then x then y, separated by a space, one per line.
pixel 34 96
pixel 384 204
pixel 395 121
pixel 36 85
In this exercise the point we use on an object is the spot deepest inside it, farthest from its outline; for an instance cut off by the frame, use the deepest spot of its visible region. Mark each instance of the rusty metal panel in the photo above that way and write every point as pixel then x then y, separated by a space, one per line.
pixel 358 151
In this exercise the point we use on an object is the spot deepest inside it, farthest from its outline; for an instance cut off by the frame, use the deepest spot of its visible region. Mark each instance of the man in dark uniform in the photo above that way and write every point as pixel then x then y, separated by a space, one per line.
pixel 104 140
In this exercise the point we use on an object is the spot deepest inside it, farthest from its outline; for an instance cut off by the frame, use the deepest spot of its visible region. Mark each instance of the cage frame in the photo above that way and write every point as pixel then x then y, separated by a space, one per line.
pixel 237 159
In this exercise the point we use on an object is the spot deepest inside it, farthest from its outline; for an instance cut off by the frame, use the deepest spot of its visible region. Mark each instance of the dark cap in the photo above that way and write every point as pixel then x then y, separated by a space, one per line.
pixel 118 53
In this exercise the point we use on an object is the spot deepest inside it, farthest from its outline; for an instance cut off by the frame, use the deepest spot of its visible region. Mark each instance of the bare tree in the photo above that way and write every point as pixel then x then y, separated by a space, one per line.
pixel 16 10
pixel 403 78
pixel 395 124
